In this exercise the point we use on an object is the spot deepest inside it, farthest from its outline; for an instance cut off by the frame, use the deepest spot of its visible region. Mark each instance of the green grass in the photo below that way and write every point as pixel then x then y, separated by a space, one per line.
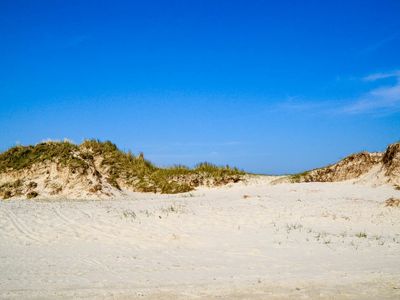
pixel 22 157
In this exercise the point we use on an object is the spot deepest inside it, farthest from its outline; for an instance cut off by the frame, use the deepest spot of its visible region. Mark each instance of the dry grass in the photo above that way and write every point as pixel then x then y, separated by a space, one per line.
pixel 22 157
pixel 11 189
pixel 392 202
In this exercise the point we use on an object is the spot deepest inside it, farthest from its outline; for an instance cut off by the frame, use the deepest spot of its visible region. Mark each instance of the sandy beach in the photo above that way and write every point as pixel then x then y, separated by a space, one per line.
pixel 200 150
pixel 252 240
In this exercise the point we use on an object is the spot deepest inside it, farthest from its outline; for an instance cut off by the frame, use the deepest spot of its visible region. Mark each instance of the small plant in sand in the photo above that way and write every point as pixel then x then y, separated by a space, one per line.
pixel 188 195
pixel 294 226
pixel 392 202
pixel 172 209
pixel 361 235
pixel 129 214
pixel 31 195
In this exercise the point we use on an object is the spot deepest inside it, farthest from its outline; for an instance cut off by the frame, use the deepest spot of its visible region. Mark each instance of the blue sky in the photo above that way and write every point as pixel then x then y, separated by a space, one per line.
pixel 268 86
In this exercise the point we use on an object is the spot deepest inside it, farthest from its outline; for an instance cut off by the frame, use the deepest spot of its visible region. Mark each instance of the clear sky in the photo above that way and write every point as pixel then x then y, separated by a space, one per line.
pixel 268 86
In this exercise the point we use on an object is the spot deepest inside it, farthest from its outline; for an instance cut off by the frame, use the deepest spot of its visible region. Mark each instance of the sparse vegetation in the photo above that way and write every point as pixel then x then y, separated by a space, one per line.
pixel 96 188
pixel 295 226
pixel 356 165
pixel 56 188
pixel 11 189
pixel 129 214
pixel 361 235
pixel 32 194
pixel 298 177
pixel 32 185
pixel 392 202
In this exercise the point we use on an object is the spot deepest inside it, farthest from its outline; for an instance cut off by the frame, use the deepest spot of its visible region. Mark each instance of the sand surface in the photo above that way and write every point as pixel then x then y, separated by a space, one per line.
pixel 244 241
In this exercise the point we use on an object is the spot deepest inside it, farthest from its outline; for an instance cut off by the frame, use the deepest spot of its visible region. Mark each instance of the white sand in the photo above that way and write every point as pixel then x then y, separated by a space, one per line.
pixel 315 240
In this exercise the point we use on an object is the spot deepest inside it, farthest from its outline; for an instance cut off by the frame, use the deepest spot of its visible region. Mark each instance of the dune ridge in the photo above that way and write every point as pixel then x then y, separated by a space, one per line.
pixel 97 169
pixel 372 167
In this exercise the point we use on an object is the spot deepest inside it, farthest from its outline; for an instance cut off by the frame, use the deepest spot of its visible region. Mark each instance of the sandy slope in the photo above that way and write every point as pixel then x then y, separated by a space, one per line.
pixel 255 240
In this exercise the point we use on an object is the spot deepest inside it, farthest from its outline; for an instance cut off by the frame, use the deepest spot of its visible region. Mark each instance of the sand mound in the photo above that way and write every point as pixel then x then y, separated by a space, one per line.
pixel 376 168
pixel 51 179
pixel 391 162
pixel 97 170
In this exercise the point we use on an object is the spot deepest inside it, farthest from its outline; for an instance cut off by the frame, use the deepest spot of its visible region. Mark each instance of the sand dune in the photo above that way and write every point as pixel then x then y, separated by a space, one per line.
pixel 374 168
pixel 248 240
pixel 97 170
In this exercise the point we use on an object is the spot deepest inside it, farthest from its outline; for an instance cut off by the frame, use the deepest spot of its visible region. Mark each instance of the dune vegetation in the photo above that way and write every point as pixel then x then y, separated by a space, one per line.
pixel 104 164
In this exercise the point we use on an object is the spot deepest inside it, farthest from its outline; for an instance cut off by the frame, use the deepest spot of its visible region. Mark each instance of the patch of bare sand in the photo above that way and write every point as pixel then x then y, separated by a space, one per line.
pixel 249 240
